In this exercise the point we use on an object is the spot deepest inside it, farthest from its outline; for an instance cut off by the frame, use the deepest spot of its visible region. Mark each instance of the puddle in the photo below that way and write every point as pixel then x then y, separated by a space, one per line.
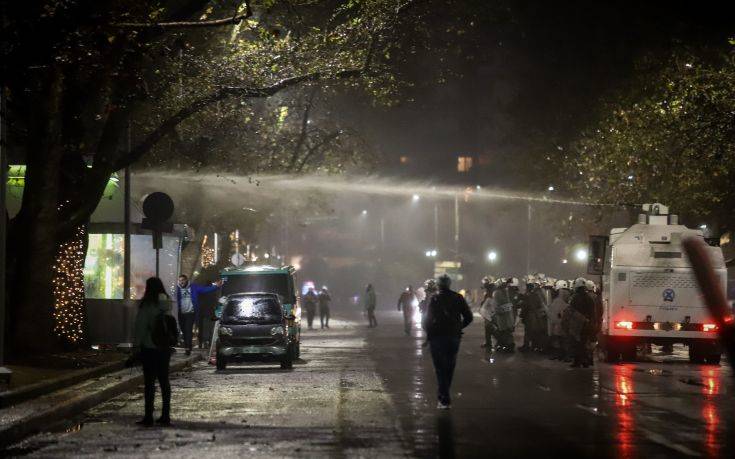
pixel 692 382
pixel 74 428
pixel 590 409
pixel 654 371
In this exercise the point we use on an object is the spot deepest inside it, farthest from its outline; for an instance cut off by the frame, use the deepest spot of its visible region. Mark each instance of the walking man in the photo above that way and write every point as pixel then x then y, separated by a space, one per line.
pixel 407 303
pixel 370 302
pixel 324 300
pixel 447 314
pixel 310 300
pixel 187 300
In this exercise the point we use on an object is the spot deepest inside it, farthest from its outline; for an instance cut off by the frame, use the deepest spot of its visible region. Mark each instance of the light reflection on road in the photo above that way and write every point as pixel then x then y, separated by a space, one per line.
pixel 624 397
pixel 711 388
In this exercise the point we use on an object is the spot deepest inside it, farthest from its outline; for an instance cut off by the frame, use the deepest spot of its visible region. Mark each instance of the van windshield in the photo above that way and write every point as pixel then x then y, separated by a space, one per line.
pixel 257 283
pixel 253 309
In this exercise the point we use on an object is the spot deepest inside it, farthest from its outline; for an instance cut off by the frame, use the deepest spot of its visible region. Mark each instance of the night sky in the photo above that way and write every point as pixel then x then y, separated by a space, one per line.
pixel 526 76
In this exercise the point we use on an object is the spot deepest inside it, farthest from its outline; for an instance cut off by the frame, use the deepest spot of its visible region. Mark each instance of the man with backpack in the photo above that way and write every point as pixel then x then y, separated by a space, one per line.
pixel 447 314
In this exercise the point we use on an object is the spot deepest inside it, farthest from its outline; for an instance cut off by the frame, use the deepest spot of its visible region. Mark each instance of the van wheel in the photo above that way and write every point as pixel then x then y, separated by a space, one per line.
pixel 287 363
pixel 612 353
pixel 630 353
pixel 221 362
pixel 695 355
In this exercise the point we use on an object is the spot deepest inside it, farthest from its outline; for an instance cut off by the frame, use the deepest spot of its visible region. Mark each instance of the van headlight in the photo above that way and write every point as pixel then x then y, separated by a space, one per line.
pixel 277 330
pixel 225 331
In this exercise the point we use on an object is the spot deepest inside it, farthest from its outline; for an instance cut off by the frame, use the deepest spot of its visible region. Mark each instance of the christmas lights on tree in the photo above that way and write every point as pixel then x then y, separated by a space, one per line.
pixel 207 254
pixel 68 286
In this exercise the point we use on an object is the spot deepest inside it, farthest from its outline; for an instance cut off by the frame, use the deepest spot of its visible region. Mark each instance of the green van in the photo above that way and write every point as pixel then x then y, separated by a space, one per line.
pixel 268 279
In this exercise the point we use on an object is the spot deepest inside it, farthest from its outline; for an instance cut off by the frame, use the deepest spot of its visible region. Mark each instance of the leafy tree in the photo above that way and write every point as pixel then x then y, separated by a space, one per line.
pixel 79 75
pixel 669 139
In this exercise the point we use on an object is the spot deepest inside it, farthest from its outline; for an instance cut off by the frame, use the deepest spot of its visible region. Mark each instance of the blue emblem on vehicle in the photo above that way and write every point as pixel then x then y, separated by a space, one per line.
pixel 669 295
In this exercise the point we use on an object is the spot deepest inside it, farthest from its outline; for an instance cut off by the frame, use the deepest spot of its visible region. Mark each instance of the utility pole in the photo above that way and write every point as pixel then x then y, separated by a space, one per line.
pixel 5 373
pixel 436 226
pixel 456 226
pixel 126 240
pixel 528 241
pixel 382 234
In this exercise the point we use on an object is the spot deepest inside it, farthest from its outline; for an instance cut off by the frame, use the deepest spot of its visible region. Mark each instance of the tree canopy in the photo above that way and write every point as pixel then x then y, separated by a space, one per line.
pixel 669 138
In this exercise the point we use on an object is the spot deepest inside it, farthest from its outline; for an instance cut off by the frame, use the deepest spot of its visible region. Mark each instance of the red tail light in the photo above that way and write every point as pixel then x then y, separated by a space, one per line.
pixel 624 324
pixel 709 327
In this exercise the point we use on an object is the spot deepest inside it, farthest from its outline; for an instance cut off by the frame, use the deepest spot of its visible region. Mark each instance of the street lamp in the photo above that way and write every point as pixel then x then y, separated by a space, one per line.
pixel 364 211
pixel 416 198
pixel 492 256
pixel 581 255
pixel 564 261
pixel 431 253
pixel 551 188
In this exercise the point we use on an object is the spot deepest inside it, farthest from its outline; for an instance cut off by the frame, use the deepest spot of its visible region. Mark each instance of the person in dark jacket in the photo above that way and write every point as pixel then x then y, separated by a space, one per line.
pixel 583 306
pixel 370 302
pixel 447 314
pixel 310 301
pixel 155 360
pixel 324 300
pixel 187 302
pixel 406 303
pixel 532 310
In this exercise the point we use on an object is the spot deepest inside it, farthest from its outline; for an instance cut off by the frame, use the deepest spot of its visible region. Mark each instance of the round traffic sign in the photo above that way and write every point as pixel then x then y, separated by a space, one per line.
pixel 158 206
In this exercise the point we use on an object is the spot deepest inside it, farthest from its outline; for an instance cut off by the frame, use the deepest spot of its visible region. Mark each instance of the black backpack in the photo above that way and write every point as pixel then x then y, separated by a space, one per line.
pixel 165 333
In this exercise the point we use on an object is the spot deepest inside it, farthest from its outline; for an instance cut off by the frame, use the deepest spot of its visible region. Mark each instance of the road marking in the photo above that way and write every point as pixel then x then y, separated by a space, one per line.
pixel 663 441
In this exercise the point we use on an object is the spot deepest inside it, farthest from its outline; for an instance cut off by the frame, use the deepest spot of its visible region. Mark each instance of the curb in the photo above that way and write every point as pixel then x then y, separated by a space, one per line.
pixel 15 396
pixel 37 421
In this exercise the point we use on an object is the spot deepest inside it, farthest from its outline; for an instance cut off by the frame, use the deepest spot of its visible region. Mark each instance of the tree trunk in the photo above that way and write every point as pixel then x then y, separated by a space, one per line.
pixel 32 236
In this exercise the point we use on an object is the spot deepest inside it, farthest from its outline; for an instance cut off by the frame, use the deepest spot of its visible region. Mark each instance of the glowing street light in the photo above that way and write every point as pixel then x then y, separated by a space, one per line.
pixel 416 198
pixel 492 256
pixel 431 253
pixel 364 211
pixel 551 188
pixel 564 261
pixel 580 255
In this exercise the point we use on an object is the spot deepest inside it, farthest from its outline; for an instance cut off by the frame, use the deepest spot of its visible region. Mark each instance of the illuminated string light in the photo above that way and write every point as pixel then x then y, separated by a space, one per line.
pixel 68 289
pixel 207 254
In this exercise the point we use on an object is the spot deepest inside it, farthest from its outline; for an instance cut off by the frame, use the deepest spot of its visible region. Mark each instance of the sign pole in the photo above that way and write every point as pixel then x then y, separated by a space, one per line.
pixel 5 373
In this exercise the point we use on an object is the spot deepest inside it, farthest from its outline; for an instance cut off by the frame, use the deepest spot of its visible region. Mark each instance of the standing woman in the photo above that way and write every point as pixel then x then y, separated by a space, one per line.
pixel 155 359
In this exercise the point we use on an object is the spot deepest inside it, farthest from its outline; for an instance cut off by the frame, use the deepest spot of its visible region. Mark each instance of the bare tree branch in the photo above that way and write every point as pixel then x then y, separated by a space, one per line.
pixel 304 128
pixel 221 94
pixel 314 148
pixel 236 19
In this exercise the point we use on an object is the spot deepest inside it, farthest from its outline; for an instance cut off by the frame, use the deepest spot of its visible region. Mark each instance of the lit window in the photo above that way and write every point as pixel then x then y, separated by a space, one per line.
pixel 464 163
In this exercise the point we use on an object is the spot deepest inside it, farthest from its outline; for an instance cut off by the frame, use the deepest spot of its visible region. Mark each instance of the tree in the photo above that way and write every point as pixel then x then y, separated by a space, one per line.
pixel 670 138
pixel 79 73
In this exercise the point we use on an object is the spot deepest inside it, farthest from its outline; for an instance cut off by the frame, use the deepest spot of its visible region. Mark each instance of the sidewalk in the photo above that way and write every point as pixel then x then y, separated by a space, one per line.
pixel 32 416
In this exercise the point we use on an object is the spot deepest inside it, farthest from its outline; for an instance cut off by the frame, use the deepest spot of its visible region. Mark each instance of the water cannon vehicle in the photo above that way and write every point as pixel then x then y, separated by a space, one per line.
pixel 649 290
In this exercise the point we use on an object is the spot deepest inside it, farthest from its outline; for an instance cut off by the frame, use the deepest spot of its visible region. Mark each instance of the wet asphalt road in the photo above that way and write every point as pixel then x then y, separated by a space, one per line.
pixel 370 393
